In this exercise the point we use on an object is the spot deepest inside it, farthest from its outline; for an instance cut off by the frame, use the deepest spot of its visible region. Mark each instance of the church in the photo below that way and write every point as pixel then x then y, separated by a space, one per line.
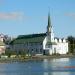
pixel 53 45
pixel 43 43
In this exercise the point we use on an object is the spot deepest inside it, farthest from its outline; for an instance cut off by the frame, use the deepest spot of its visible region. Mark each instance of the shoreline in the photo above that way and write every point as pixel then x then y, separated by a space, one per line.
pixel 53 57
pixel 11 60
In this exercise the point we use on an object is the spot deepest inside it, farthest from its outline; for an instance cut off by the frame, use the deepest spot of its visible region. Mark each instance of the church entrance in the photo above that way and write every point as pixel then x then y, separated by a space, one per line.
pixel 45 52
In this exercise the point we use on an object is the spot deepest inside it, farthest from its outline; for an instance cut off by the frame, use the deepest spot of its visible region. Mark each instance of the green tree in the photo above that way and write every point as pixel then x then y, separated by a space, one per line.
pixel 10 52
pixel 71 41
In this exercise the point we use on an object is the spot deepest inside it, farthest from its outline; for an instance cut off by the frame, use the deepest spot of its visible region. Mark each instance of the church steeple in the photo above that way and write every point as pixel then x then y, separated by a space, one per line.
pixel 50 33
pixel 49 21
pixel 49 24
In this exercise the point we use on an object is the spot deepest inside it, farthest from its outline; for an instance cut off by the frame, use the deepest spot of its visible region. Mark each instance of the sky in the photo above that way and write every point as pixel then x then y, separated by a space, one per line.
pixel 21 17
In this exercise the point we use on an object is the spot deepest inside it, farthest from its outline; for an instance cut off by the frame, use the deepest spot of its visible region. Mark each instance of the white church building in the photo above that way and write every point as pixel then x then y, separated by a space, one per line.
pixel 54 45
pixel 42 43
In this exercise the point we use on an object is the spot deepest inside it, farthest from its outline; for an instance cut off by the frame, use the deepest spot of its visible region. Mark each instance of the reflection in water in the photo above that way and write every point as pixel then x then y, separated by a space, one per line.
pixel 46 73
pixel 60 73
pixel 57 73
pixel 45 63
pixel 61 60
pixel 56 64
pixel 60 63
pixel 45 67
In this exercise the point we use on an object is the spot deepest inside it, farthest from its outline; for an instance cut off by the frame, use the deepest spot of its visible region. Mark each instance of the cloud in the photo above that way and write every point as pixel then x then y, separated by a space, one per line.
pixel 70 15
pixel 12 15
pixel 19 16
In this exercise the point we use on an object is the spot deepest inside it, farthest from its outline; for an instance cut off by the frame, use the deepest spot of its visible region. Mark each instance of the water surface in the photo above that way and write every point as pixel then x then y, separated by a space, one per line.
pixel 61 66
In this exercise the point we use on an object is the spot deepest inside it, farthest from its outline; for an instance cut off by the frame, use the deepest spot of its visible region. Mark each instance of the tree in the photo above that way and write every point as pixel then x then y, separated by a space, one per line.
pixel 71 41
pixel 10 52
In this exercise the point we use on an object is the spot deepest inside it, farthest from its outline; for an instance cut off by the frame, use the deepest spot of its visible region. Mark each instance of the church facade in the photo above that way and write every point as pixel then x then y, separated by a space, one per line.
pixel 53 45
pixel 43 43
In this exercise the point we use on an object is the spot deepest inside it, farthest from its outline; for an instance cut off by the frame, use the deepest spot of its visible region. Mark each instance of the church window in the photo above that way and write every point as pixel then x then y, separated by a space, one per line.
pixel 36 50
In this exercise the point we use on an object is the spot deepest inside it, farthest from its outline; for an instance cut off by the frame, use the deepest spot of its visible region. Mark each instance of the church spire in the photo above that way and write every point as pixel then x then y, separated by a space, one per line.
pixel 49 21
pixel 50 34
pixel 49 24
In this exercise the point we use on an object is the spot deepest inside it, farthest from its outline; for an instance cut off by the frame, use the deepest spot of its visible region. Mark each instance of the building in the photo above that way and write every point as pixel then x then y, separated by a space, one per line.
pixel 52 45
pixel 2 44
pixel 43 43
pixel 32 44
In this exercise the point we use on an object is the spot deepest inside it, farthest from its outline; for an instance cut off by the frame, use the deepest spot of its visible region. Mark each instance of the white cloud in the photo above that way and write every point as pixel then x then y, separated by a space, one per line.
pixel 12 15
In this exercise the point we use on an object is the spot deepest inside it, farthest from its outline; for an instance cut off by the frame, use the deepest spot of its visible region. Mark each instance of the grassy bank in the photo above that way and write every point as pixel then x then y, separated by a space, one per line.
pixel 24 59
pixel 54 56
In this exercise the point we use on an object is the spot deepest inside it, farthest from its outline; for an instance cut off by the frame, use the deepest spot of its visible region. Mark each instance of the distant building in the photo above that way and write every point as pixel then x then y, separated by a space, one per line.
pixel 2 44
pixel 43 43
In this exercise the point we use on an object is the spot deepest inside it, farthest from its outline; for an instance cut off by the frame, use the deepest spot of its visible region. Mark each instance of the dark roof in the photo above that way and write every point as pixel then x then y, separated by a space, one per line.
pixel 32 38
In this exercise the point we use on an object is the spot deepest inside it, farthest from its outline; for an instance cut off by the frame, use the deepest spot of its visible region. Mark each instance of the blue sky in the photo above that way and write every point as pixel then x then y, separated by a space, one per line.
pixel 19 17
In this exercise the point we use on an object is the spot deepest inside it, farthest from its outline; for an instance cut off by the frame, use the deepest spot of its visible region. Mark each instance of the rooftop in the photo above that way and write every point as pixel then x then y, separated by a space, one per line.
pixel 32 38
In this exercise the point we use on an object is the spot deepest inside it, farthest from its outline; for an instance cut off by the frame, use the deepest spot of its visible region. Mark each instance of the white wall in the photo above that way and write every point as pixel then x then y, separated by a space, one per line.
pixel 62 48
pixel 2 49
pixel 44 42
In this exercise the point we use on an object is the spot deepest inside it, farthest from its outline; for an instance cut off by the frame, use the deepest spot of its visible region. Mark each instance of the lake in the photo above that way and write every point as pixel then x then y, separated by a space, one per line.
pixel 61 66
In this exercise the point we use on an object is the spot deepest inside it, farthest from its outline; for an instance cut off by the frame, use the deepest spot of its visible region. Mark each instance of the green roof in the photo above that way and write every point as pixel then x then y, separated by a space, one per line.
pixel 32 38
pixel 51 43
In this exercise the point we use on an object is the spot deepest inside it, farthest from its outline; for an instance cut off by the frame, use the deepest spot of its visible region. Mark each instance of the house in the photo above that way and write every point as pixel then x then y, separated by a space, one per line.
pixel 2 44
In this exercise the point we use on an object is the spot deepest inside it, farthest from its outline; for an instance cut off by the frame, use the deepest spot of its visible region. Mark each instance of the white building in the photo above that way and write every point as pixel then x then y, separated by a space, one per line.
pixel 2 44
pixel 54 45
pixel 43 43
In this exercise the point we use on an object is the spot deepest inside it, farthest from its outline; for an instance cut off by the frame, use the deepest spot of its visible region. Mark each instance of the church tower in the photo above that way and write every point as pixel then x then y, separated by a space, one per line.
pixel 50 33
